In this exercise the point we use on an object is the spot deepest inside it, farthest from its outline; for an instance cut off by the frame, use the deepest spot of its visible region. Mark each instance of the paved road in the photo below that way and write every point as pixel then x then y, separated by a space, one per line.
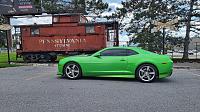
pixel 38 89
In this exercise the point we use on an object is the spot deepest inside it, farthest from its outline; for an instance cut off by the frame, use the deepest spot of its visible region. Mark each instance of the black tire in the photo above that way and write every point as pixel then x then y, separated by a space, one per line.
pixel 72 70
pixel 34 58
pixel 44 58
pixel 146 73
pixel 53 59
pixel 26 58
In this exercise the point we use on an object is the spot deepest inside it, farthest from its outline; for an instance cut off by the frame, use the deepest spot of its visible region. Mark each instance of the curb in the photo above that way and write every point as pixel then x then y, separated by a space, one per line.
pixel 38 64
pixel 181 67
pixel 45 64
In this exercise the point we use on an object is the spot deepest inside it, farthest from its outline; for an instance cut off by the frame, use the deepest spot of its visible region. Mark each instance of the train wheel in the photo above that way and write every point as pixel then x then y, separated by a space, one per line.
pixel 44 58
pixel 53 59
pixel 26 58
pixel 34 58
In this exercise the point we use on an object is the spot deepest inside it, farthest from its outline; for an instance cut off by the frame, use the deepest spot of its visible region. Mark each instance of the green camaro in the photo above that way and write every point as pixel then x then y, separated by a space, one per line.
pixel 130 62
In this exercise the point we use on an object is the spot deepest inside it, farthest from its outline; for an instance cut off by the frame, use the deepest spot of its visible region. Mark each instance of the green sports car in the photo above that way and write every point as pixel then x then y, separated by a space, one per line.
pixel 129 62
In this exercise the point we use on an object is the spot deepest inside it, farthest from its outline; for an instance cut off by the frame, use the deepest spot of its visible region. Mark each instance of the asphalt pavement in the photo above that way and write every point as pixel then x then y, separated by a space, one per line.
pixel 38 89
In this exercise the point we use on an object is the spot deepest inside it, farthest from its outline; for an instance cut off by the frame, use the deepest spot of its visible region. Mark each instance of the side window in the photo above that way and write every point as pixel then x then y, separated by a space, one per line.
pixel 90 29
pixel 131 52
pixel 114 52
pixel 35 31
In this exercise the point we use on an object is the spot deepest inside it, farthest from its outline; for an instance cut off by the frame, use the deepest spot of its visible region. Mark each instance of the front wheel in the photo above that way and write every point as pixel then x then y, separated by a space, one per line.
pixel 72 71
pixel 146 73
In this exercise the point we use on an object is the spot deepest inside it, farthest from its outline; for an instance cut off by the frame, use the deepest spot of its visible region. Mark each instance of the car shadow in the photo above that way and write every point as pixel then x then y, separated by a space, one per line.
pixel 164 80
pixel 109 78
pixel 102 78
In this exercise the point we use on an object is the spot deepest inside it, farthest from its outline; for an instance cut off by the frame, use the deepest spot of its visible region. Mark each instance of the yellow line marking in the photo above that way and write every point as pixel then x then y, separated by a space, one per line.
pixel 38 76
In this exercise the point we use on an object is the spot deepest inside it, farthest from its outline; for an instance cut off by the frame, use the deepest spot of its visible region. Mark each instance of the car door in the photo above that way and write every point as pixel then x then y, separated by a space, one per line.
pixel 110 62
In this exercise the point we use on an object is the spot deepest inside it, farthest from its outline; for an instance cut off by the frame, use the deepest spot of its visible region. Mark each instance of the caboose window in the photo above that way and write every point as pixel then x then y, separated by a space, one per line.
pixel 90 29
pixel 35 31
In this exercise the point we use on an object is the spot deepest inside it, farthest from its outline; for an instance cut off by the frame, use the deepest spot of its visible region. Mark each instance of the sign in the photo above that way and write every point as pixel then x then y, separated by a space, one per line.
pixel 5 27
pixel 17 7
pixel 62 43
pixel 169 25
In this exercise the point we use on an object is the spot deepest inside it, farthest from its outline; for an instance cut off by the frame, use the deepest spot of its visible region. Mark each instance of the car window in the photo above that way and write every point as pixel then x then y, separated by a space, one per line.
pixel 118 52
pixel 114 52
pixel 131 52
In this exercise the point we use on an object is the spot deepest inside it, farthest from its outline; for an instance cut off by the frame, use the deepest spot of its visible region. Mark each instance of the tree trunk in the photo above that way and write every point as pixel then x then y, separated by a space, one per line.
pixel 188 26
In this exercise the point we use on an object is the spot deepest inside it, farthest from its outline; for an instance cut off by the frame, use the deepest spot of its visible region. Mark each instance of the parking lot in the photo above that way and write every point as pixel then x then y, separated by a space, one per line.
pixel 38 89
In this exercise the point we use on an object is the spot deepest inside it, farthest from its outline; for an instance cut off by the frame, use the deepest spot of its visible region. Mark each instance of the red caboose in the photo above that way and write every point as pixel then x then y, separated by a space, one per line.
pixel 68 34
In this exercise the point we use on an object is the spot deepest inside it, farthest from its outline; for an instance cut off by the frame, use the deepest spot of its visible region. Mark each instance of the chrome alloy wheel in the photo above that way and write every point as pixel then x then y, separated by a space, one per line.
pixel 72 71
pixel 147 73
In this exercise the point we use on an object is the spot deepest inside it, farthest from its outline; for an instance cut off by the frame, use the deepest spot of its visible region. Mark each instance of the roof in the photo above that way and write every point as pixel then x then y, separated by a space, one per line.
pixel 100 23
pixel 137 49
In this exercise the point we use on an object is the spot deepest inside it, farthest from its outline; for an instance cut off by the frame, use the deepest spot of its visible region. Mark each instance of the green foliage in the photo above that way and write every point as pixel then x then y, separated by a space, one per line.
pixel 73 6
pixel 2 33
pixel 141 15
pixel 2 19
pixel 96 7
pixel 2 39
pixel 61 6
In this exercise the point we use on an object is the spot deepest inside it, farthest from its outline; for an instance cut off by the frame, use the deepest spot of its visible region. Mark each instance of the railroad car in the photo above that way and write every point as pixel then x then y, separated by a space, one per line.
pixel 68 34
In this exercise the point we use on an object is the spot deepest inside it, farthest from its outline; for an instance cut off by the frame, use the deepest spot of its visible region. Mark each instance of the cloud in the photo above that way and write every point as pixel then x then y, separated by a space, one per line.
pixel 115 5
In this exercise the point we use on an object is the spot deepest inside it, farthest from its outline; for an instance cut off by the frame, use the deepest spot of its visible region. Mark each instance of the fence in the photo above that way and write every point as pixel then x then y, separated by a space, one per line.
pixel 177 51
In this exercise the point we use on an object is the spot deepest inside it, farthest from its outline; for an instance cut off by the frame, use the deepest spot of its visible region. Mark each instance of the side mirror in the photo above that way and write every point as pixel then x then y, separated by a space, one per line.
pixel 97 55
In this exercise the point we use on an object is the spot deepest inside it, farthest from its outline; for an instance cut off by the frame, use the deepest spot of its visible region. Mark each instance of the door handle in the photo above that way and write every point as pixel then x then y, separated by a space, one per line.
pixel 122 60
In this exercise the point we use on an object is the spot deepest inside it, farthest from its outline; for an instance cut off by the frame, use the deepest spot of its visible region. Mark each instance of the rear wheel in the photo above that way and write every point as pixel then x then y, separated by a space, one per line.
pixel 72 71
pixel 146 73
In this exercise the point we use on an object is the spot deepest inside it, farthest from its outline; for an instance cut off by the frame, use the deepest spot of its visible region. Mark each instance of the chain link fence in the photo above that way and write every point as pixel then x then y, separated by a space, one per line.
pixel 176 52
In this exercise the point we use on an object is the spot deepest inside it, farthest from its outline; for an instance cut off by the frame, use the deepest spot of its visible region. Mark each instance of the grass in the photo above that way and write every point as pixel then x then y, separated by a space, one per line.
pixel 4 60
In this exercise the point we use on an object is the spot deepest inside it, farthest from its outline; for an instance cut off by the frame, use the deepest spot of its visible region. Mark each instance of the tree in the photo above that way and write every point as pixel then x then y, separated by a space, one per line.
pixel 73 6
pixel 2 39
pixel 140 16
pixel 61 6
pixel 192 16
pixel 2 33
pixel 96 7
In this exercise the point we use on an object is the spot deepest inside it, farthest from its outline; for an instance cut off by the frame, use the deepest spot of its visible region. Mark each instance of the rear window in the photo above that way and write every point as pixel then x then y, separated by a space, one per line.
pixel 131 52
